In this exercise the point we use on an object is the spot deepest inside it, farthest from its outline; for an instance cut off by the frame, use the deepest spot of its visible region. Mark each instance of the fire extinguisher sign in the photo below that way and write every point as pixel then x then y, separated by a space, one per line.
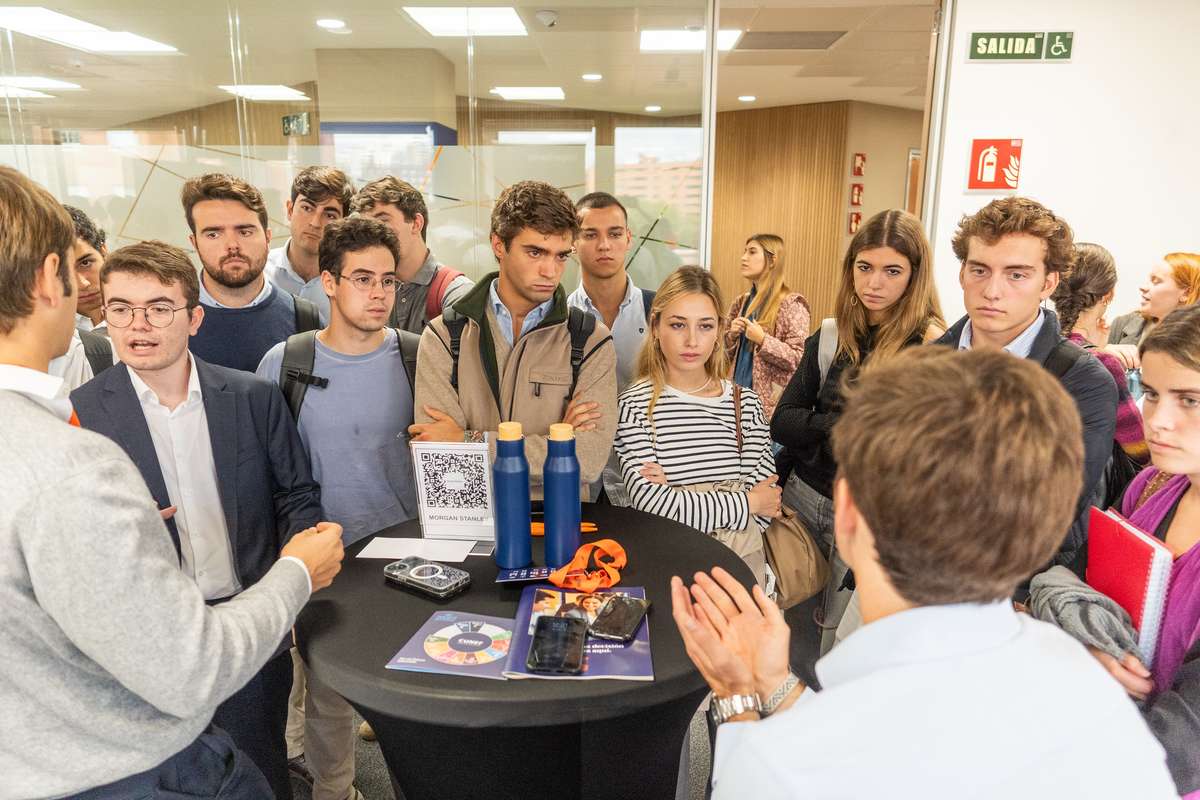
pixel 995 165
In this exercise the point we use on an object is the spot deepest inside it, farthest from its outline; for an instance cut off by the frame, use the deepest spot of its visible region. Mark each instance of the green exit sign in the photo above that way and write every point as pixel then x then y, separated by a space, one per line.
pixel 1021 46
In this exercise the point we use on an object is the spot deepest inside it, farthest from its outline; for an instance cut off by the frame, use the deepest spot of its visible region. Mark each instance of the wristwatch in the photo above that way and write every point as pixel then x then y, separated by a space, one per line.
pixel 722 708
pixel 772 703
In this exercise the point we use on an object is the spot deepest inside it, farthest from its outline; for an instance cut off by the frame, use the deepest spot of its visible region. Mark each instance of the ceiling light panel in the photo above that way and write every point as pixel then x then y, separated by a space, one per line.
pixel 36 82
pixel 52 26
pixel 26 94
pixel 530 92
pixel 263 92
pixel 461 21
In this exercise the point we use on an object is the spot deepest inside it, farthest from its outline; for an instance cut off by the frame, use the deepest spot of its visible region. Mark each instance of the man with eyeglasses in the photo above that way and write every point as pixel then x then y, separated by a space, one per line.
pixel 351 388
pixel 220 454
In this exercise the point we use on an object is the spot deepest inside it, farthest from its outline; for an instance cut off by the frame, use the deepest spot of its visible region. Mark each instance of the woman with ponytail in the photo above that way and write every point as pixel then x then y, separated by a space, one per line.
pixel 1081 301
pixel 766 325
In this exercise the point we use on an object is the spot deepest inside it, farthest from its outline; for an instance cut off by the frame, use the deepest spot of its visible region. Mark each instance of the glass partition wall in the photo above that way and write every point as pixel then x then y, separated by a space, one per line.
pixel 113 106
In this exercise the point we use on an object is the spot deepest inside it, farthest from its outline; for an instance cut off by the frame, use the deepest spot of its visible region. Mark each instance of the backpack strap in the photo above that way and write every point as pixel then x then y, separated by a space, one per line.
pixel 827 348
pixel 437 291
pixel 581 325
pixel 1062 357
pixel 307 316
pixel 408 343
pixel 98 350
pixel 296 369
pixel 455 324
pixel 737 414
pixel 647 301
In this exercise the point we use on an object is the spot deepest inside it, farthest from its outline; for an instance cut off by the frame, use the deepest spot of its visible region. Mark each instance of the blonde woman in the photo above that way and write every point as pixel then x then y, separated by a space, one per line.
pixel 1172 283
pixel 767 325
pixel 677 425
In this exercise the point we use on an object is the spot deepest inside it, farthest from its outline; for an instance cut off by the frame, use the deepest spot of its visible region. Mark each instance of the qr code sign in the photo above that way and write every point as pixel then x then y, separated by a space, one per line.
pixel 455 480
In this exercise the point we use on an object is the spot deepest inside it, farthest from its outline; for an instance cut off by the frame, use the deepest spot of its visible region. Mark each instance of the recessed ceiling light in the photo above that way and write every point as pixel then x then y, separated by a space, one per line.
pixel 592 76
pixel 52 26
pixel 26 94
pixel 331 24
pixel 653 109
pixel 35 82
pixel 747 98
pixel 530 92
pixel 461 21
pixel 253 91
pixel 685 41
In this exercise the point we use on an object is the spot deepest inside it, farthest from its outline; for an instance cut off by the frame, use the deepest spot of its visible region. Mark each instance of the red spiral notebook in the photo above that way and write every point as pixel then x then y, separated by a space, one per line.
pixel 1134 569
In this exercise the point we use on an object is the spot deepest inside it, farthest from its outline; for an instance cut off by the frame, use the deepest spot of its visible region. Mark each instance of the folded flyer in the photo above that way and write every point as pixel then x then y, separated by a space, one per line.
pixel 628 661
pixel 457 643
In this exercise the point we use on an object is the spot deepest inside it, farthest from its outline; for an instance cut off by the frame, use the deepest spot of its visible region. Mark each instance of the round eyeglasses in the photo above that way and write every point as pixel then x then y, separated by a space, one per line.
pixel 159 315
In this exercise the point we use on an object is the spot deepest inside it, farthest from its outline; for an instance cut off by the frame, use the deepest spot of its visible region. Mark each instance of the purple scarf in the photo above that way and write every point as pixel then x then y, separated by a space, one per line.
pixel 1181 621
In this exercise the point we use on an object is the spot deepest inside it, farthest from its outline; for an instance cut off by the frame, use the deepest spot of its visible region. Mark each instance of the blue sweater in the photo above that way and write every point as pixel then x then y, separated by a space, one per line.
pixel 238 338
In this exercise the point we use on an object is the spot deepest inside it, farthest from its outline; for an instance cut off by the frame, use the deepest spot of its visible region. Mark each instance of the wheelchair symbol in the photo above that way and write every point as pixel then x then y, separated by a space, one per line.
pixel 1058 48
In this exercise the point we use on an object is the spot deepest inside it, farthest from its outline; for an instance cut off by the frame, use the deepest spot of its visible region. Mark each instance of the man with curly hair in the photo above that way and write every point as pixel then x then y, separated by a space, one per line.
pixel 1013 252
pixel 512 350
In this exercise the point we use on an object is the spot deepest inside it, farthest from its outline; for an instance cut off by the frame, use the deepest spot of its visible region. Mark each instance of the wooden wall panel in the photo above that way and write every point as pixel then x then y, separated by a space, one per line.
pixel 216 125
pixel 783 171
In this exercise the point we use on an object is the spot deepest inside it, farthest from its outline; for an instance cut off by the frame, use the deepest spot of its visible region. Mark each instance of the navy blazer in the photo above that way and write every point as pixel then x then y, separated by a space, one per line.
pixel 263 476
pixel 1094 391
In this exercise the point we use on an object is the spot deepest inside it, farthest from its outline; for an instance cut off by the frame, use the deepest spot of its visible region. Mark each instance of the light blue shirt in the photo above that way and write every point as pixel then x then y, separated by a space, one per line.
pixel 628 330
pixel 1019 346
pixel 355 430
pixel 532 319
pixel 280 272
pixel 936 703
pixel 208 300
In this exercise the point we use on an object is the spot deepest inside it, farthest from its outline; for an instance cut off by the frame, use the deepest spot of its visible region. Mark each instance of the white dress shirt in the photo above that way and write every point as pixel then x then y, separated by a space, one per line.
pixel 961 701
pixel 207 299
pixel 185 456
pixel 1019 347
pixel 45 389
pixel 73 366
pixel 628 329
pixel 283 275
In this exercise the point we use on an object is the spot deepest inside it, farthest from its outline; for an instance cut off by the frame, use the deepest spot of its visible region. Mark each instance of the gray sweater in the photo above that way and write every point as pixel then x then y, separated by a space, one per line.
pixel 110 661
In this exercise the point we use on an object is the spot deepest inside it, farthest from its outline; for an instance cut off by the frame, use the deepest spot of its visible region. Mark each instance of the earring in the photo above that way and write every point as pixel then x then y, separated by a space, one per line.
pixel 853 300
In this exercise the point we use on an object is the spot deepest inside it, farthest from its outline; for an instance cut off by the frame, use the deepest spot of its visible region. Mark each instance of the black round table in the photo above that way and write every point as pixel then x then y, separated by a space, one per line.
pixel 446 736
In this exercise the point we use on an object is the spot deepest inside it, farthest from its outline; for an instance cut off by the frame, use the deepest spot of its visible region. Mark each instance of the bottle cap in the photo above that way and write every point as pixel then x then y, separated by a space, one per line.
pixel 510 431
pixel 561 432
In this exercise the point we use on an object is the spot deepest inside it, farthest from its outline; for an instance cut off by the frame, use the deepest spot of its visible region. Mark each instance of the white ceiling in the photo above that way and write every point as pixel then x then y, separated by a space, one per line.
pixel 882 59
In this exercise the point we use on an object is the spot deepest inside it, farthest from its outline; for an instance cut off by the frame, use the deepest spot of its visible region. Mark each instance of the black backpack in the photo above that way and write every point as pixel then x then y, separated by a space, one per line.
pixel 580 324
pixel 1121 468
pixel 647 301
pixel 308 318
pixel 98 349
pixel 300 353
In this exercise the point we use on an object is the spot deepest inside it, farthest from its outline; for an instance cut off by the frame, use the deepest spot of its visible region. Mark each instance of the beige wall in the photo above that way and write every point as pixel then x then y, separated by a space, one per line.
pixel 386 85
pixel 885 134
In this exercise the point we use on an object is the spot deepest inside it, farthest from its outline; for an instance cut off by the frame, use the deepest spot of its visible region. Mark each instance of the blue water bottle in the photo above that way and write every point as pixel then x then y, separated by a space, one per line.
pixel 561 479
pixel 510 479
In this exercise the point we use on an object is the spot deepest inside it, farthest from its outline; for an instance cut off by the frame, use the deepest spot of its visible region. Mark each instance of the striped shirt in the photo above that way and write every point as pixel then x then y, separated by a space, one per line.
pixel 694 440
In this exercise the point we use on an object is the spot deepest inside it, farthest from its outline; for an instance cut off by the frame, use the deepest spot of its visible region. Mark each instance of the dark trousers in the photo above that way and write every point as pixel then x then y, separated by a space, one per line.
pixel 210 768
pixel 256 719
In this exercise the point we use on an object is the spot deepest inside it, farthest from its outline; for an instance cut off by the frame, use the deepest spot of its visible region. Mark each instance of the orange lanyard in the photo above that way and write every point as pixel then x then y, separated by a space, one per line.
pixel 596 565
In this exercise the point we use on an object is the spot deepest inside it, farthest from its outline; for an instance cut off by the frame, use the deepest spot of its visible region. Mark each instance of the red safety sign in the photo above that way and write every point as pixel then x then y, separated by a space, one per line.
pixel 995 164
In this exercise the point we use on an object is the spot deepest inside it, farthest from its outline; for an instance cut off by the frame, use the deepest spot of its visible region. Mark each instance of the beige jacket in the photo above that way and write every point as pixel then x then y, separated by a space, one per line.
pixel 526 383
